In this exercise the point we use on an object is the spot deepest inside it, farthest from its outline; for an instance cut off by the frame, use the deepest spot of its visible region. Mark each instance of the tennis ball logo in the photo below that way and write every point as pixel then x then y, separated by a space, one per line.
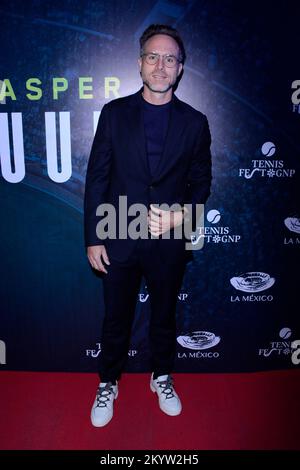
pixel 268 149
pixel 285 333
pixel 213 216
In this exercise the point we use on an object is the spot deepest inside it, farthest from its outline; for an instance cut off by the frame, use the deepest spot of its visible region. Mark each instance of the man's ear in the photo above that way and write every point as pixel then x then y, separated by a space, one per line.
pixel 180 69
pixel 140 63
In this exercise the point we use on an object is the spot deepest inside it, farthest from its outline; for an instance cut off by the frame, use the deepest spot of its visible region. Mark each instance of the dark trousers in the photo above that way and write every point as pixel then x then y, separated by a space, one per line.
pixel 121 287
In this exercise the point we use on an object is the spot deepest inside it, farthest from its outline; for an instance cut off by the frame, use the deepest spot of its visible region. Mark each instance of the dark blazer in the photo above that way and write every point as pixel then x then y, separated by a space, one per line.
pixel 118 165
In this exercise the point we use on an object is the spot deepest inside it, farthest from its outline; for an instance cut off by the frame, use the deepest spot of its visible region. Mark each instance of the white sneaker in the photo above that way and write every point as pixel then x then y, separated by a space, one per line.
pixel 103 407
pixel 169 401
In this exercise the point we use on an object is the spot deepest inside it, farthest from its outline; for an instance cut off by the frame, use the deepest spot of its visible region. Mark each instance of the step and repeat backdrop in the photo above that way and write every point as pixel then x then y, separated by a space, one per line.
pixel 61 61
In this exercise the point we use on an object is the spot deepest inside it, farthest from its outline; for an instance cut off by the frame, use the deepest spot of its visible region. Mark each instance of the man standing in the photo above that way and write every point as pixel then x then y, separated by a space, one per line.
pixel 155 149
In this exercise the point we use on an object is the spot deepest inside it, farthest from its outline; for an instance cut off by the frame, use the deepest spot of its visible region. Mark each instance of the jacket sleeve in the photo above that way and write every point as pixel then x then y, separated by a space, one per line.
pixel 200 174
pixel 97 178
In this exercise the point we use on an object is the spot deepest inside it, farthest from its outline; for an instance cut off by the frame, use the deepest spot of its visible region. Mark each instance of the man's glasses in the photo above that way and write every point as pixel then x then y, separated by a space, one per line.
pixel 168 60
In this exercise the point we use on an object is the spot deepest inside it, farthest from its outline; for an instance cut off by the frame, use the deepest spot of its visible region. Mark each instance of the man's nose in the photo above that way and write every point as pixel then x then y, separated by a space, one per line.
pixel 160 63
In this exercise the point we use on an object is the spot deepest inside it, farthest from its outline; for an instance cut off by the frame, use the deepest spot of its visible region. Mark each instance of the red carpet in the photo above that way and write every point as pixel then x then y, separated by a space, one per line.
pixel 220 411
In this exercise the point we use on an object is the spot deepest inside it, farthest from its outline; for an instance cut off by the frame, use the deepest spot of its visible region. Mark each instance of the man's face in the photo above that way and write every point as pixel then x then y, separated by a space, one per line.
pixel 158 77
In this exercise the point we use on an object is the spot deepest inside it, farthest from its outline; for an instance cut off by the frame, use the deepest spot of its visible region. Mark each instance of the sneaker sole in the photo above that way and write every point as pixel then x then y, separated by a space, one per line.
pixel 97 425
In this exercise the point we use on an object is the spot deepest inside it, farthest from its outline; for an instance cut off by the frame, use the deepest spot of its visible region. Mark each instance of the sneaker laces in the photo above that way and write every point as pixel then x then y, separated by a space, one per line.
pixel 167 387
pixel 103 395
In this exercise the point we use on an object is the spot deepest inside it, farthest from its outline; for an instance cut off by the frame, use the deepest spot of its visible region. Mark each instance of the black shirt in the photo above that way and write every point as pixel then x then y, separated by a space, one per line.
pixel 156 120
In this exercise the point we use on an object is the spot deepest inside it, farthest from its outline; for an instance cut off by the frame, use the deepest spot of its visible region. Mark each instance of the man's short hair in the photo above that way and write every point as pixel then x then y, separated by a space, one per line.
pixel 154 29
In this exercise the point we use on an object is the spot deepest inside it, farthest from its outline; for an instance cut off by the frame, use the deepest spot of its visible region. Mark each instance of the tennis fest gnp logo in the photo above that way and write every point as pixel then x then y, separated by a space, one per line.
pixel 267 167
pixel 283 346
pixel 216 232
